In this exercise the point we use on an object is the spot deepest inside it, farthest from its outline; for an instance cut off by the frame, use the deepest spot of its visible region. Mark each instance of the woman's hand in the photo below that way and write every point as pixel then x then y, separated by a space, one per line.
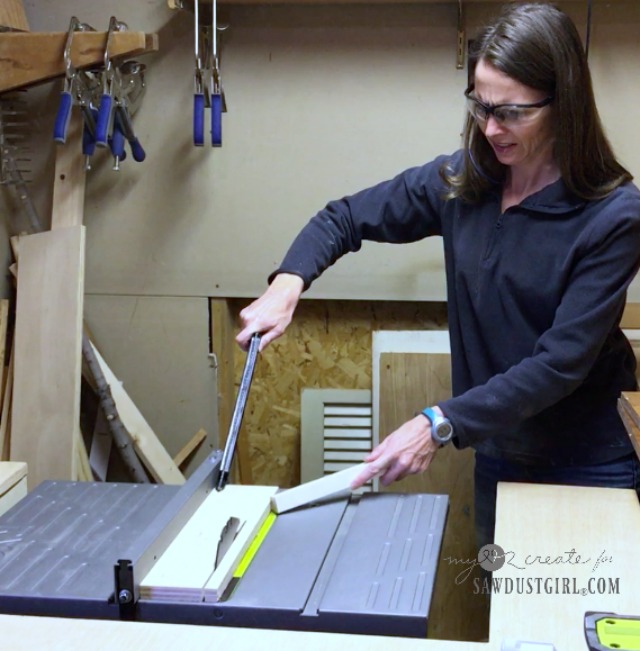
pixel 406 451
pixel 272 312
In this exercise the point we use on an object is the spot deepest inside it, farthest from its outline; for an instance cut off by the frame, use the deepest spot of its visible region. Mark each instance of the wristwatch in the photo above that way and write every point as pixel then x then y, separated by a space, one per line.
pixel 441 427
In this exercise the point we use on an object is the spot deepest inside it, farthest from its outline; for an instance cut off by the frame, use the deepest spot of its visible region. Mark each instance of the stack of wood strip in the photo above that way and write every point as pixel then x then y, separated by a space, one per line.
pixel 187 571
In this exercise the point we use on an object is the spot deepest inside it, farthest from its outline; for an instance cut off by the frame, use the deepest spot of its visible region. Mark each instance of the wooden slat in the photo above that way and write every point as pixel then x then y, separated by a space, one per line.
pixel 349 433
pixel 12 15
pixel 147 445
pixel 46 397
pixel 185 572
pixel 409 382
pixel 346 421
pixel 190 447
pixel 30 58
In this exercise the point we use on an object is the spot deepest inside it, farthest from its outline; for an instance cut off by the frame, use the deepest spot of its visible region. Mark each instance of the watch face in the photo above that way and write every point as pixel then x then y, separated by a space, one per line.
pixel 444 430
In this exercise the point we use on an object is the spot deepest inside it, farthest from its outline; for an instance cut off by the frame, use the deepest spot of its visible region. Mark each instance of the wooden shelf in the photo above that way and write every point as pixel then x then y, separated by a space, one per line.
pixel 28 58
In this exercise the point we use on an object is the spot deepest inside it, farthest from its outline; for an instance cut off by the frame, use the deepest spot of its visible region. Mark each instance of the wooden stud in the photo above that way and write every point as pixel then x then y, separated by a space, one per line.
pixel 31 58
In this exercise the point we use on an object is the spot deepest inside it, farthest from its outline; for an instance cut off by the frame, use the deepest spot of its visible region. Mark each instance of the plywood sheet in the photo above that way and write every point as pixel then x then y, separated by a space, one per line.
pixel 46 396
pixel 327 346
pixel 537 527
pixel 186 572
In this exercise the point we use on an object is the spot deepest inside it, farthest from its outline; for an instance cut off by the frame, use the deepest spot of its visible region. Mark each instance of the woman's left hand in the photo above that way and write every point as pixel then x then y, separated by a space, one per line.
pixel 406 451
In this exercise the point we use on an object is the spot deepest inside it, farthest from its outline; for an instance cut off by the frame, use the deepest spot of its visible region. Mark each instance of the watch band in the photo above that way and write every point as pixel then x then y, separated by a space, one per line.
pixel 431 415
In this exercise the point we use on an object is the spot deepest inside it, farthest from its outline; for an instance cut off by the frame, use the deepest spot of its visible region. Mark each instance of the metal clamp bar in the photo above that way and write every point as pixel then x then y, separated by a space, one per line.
pixel 238 411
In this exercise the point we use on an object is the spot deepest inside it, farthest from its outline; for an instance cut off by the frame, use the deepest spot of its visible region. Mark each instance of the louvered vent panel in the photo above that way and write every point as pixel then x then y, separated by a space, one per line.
pixel 347 436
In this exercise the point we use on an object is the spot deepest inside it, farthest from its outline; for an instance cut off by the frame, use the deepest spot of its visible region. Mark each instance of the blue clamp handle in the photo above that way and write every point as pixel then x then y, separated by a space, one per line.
pixel 103 123
pixel 198 119
pixel 216 120
pixel 88 139
pixel 122 121
pixel 116 143
pixel 62 117
pixel 138 152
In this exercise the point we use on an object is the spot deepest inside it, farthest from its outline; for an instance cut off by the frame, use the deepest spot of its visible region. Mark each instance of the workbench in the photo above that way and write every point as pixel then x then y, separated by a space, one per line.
pixel 533 522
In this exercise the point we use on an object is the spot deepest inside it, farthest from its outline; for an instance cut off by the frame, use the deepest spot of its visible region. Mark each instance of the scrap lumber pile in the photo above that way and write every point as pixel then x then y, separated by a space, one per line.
pixel 42 376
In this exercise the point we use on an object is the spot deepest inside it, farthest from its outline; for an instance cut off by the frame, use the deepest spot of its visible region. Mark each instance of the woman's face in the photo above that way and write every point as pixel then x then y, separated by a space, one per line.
pixel 525 143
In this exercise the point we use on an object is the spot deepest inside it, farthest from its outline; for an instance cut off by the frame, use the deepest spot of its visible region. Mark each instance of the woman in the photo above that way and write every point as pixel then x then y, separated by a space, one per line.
pixel 541 232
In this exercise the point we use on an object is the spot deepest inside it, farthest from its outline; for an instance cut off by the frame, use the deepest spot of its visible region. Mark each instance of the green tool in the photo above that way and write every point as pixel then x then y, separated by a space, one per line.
pixel 605 631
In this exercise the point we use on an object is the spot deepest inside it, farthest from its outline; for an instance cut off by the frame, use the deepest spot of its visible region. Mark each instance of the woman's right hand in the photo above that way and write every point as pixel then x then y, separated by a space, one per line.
pixel 272 312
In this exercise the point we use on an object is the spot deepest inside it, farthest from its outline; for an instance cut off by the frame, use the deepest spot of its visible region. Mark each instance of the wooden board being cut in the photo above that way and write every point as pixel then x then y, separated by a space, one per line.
pixel 186 572
pixel 316 490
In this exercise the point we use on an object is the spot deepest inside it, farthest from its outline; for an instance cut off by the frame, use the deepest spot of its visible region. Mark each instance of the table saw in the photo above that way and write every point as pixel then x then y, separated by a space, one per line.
pixel 357 564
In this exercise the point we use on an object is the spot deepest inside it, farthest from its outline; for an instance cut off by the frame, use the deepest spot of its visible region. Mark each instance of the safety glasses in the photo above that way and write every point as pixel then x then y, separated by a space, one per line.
pixel 508 115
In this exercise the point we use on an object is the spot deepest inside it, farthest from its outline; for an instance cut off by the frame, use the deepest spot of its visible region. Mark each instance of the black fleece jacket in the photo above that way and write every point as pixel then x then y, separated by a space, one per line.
pixel 535 296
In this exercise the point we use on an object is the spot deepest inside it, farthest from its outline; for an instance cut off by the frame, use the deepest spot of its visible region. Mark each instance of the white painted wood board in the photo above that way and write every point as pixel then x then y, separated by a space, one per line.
pixel 11 472
pixel 316 490
pixel 9 499
pixel 47 363
pixel 147 445
pixel 186 571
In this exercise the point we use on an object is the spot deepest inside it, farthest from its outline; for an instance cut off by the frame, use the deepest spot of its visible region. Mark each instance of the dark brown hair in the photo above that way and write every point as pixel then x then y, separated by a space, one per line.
pixel 539 46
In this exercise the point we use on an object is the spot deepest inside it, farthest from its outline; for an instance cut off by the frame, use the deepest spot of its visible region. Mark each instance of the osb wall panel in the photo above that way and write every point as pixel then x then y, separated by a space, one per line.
pixel 327 346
